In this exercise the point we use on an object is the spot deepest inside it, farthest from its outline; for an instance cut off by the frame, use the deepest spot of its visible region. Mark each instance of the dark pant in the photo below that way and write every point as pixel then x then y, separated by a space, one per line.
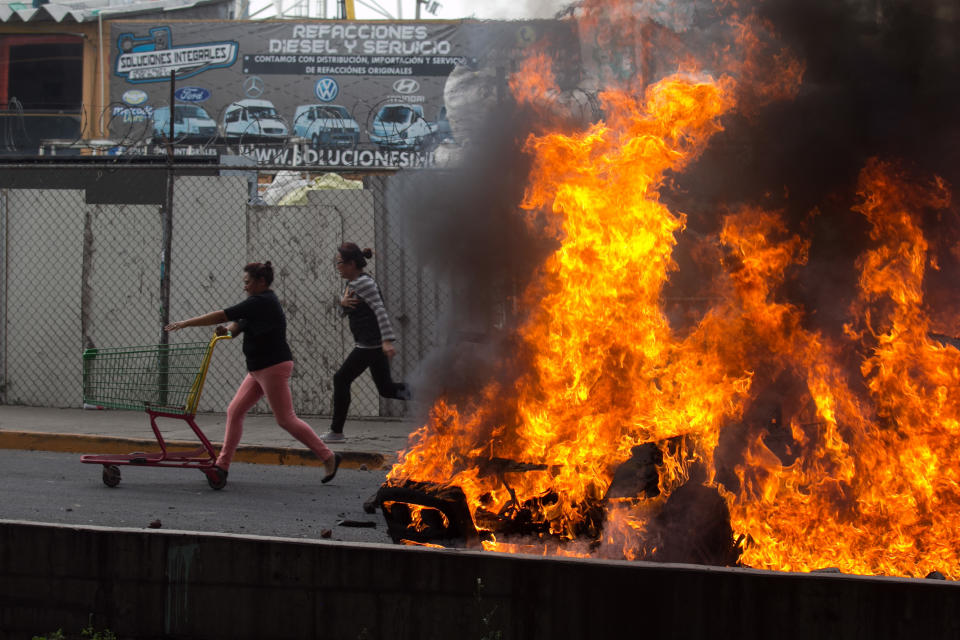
pixel 355 364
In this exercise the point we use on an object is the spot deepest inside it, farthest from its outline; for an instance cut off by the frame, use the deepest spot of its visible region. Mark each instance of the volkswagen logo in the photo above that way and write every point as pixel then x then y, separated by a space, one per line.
pixel 326 89
pixel 406 86
pixel 253 87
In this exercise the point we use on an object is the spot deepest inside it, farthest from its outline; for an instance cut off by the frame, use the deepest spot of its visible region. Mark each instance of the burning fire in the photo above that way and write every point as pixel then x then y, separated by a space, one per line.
pixel 828 451
pixel 874 487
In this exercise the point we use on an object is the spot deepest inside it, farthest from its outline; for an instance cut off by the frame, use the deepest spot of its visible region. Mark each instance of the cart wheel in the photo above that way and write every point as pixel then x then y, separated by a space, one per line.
pixel 216 478
pixel 111 475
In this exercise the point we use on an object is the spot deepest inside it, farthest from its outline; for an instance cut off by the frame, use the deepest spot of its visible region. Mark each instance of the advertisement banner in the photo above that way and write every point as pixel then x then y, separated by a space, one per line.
pixel 325 94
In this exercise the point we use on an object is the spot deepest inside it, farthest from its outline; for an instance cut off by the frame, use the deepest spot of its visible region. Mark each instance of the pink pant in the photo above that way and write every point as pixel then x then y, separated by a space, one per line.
pixel 275 383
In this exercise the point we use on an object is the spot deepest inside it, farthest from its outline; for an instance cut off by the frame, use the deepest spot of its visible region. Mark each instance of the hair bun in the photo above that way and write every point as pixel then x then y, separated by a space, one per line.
pixel 368 252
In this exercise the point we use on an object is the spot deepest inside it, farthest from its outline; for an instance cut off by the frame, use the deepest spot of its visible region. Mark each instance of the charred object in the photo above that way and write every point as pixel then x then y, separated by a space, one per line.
pixel 692 526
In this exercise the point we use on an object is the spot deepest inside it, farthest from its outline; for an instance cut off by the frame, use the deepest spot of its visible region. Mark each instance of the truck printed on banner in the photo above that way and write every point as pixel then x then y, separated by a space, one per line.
pixel 251 120
pixel 153 57
pixel 402 126
pixel 326 126
pixel 191 123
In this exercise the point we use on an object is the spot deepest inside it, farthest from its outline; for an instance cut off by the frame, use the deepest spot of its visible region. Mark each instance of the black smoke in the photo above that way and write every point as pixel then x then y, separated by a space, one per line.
pixel 882 79
pixel 465 229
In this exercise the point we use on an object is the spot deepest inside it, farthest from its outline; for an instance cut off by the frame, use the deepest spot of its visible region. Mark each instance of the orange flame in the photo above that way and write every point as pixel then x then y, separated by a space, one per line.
pixel 597 385
pixel 875 488
pixel 766 71
pixel 850 467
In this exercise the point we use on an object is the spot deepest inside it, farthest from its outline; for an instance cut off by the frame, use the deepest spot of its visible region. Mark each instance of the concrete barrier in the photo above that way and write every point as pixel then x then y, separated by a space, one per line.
pixel 178 584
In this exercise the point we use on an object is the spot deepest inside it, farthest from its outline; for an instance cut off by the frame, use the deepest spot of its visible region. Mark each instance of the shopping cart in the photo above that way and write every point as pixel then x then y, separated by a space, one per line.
pixel 163 380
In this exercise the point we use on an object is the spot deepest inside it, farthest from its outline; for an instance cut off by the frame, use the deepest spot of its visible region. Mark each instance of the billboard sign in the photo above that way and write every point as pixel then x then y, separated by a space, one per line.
pixel 318 93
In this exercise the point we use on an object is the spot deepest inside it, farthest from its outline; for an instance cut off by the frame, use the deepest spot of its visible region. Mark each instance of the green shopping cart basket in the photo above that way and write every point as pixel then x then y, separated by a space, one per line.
pixel 163 380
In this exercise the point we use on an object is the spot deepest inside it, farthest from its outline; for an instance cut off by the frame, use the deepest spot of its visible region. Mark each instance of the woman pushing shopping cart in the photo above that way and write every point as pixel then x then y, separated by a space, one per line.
pixel 261 320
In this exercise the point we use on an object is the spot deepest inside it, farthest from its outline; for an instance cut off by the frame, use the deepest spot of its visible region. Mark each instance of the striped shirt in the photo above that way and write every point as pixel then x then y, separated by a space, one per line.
pixel 369 321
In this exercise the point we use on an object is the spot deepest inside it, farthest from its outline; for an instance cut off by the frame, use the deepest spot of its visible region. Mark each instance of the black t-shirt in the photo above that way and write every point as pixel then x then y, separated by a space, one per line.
pixel 264 328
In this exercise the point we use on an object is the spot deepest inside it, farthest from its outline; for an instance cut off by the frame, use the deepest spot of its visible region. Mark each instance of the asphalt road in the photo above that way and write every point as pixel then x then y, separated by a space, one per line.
pixel 259 499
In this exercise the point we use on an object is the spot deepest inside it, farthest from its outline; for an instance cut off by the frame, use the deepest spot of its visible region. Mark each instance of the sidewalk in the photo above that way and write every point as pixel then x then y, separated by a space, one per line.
pixel 370 443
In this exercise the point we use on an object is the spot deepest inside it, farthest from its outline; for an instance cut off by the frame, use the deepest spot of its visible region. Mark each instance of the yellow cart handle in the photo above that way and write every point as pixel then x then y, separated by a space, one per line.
pixel 193 397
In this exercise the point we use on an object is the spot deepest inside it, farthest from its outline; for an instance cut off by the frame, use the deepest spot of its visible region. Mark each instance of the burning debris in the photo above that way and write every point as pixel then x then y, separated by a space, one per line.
pixel 692 526
pixel 718 356
pixel 426 512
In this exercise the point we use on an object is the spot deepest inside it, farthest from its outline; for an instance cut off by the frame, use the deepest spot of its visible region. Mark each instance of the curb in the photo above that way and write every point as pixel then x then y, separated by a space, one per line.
pixel 77 443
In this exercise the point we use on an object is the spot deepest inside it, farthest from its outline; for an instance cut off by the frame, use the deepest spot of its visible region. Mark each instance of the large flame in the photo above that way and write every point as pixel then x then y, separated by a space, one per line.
pixel 832 465
pixel 605 371
pixel 873 488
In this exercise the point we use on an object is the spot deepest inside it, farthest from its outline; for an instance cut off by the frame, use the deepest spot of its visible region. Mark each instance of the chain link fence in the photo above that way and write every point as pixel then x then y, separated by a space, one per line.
pixel 102 255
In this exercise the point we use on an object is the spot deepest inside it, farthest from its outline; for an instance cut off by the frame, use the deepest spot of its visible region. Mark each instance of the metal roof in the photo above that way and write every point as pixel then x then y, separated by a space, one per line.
pixel 73 11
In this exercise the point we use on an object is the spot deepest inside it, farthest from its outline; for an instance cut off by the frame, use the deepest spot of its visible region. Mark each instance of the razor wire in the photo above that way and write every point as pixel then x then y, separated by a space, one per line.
pixel 83 270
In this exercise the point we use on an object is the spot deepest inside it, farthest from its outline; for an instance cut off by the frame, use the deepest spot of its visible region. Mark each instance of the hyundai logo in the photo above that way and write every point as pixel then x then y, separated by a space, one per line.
pixel 406 86
pixel 191 94
pixel 326 89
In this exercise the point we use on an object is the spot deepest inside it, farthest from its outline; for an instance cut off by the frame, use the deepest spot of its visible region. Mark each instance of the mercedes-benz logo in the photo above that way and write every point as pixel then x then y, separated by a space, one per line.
pixel 253 87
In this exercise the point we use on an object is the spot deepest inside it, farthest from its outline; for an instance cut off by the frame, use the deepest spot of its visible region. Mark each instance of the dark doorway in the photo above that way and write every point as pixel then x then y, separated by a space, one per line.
pixel 41 91
pixel 47 76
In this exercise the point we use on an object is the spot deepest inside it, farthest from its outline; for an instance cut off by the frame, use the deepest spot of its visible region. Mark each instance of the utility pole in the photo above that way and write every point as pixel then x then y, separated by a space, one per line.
pixel 166 243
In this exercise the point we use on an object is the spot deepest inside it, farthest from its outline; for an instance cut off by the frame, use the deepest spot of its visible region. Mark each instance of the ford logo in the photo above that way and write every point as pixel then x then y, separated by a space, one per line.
pixel 191 94
pixel 406 86
pixel 134 97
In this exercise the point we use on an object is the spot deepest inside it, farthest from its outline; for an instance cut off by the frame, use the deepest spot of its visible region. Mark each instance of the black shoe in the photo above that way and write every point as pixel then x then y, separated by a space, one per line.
pixel 336 465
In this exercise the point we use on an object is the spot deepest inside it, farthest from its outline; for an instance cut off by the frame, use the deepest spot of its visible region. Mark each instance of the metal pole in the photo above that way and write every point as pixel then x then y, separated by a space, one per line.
pixel 103 94
pixel 4 276
pixel 173 84
pixel 166 222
